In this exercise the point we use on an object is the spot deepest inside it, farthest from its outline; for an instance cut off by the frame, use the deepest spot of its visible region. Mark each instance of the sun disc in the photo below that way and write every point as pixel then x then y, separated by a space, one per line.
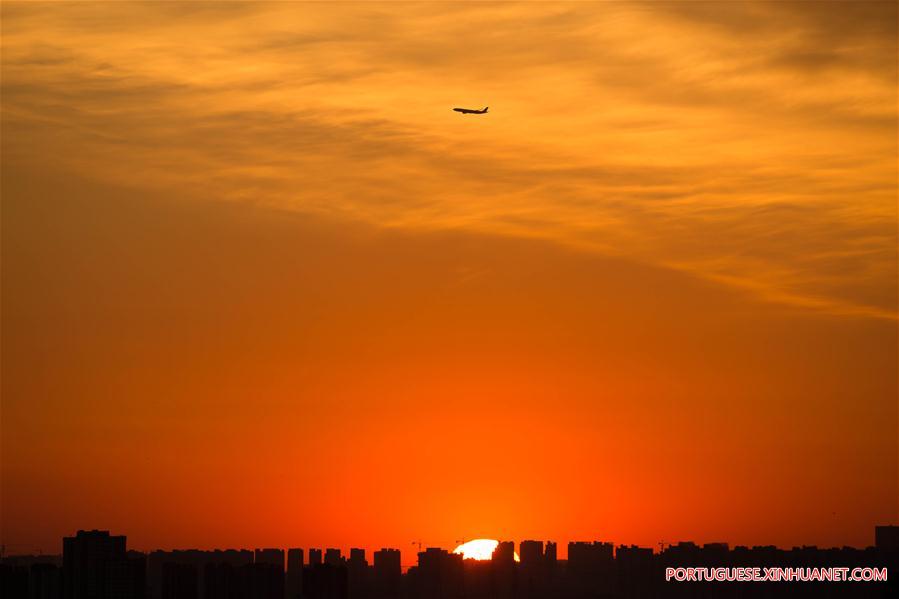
pixel 479 549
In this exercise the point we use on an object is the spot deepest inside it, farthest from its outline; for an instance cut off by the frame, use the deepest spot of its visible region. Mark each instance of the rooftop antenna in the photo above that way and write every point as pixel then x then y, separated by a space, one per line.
pixel 417 543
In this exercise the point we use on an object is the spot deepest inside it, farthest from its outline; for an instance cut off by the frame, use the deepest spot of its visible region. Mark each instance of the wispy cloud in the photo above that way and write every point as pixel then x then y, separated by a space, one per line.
pixel 753 144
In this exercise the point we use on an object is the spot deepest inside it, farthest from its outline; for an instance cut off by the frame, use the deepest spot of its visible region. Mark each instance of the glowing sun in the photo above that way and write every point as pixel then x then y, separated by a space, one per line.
pixel 479 549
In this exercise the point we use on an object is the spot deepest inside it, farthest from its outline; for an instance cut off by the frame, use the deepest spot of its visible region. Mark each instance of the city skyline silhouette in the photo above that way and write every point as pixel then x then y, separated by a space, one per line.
pixel 97 565
pixel 367 275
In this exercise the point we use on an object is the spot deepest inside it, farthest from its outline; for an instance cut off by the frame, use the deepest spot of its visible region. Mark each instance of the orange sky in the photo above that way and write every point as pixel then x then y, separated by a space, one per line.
pixel 262 287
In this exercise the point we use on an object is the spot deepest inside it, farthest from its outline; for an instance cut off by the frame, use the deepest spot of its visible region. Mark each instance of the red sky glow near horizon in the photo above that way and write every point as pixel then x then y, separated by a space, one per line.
pixel 263 287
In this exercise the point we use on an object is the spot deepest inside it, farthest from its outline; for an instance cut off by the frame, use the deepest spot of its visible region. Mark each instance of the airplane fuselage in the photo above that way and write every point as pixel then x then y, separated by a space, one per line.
pixel 470 110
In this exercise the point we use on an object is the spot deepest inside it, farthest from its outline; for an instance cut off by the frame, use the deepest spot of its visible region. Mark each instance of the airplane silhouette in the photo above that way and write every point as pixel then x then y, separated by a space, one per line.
pixel 471 111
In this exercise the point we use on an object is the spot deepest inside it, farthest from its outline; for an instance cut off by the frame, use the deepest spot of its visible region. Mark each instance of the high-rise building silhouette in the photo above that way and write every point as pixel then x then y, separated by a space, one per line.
pixel 357 573
pixel 95 566
pixel 531 554
pixel 550 555
pixel 590 567
pixel 45 582
pixel 504 553
pixel 220 581
pixel 439 573
pixel 387 573
pixel 293 584
pixel 333 557
pixel 635 570
pixel 533 569
pixel 261 580
pixel 325 581
pixel 274 557
pixel 886 537
pixel 505 580
pixel 180 581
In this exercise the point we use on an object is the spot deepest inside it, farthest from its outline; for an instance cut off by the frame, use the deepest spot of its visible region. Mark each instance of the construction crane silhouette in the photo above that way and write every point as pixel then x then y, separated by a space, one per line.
pixel 418 544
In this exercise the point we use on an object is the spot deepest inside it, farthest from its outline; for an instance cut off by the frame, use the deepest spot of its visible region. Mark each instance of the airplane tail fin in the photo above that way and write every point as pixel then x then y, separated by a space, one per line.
pixel 485 108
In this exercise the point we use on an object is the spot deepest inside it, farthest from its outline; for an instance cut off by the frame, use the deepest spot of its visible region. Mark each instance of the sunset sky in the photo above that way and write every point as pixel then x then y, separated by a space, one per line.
pixel 262 287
